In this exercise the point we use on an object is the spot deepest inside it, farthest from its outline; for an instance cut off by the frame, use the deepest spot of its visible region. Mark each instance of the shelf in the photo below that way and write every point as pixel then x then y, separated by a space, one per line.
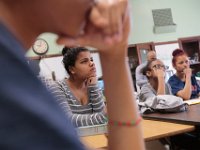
pixel 195 63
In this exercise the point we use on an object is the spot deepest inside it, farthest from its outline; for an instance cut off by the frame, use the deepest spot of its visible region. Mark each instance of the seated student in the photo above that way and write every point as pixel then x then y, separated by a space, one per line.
pixel 183 83
pixel 155 73
pixel 79 95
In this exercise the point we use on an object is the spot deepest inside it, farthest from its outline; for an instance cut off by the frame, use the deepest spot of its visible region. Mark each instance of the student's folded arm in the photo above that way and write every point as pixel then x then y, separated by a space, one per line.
pixel 77 119
pixel 161 86
pixel 178 90
pixel 96 98
pixel 185 94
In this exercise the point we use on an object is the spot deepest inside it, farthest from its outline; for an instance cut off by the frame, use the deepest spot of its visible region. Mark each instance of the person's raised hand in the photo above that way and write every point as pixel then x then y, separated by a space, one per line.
pixel 91 80
pixel 99 38
pixel 108 15
pixel 188 72
pixel 160 73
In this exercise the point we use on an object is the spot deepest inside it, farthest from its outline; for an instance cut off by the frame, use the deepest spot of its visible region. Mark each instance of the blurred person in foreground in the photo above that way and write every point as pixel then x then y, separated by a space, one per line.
pixel 30 118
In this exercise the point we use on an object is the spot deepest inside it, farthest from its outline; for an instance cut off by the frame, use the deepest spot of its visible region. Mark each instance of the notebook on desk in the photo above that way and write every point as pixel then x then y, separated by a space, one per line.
pixel 92 130
pixel 192 101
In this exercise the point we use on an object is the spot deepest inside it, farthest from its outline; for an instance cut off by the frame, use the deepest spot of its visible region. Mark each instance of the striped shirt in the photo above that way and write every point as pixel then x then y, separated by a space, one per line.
pixel 80 115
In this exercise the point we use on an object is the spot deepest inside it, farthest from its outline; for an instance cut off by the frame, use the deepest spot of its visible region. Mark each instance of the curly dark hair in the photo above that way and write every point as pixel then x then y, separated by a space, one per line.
pixel 70 55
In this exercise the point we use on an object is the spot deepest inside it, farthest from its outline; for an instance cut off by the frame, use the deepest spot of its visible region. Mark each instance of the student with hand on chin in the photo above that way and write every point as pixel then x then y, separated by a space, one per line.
pixel 155 73
pixel 79 94
pixel 183 83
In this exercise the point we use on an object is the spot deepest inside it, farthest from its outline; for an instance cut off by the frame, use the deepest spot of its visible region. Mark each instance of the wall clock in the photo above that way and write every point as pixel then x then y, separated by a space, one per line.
pixel 40 46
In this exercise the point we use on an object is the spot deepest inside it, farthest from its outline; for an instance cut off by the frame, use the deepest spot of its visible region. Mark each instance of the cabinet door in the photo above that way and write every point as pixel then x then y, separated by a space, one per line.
pixel 191 46
pixel 142 50
pixel 133 61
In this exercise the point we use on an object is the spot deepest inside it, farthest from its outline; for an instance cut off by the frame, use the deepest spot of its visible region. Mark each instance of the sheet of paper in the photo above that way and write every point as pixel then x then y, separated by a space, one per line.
pixel 193 101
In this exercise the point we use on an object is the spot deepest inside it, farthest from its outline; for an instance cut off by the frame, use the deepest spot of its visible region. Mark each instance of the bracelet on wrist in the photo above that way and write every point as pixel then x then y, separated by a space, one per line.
pixel 131 123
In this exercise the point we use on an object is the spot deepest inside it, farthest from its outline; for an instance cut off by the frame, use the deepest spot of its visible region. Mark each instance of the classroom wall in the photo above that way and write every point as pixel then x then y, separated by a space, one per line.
pixel 53 47
pixel 185 15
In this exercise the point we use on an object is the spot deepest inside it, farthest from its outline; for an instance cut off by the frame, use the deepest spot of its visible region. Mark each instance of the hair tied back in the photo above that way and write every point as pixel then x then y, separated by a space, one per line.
pixel 177 52
pixel 65 50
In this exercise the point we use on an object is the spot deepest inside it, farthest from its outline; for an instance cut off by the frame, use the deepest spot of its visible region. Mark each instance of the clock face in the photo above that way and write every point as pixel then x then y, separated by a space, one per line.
pixel 40 47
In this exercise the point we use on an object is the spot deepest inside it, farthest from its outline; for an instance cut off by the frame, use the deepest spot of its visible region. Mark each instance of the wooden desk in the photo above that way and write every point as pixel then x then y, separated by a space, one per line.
pixel 190 117
pixel 152 130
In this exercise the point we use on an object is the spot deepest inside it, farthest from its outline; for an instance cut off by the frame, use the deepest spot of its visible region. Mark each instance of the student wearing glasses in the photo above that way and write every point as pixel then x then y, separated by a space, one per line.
pixel 155 73
pixel 183 83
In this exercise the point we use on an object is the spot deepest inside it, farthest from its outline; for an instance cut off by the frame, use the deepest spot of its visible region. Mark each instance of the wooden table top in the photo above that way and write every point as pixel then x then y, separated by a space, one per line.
pixel 152 130
pixel 190 117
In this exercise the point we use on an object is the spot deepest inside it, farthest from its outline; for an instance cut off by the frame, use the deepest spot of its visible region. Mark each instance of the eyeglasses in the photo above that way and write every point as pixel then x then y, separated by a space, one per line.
pixel 159 66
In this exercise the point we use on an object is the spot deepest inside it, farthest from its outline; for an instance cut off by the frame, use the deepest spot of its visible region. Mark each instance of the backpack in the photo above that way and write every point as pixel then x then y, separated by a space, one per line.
pixel 163 104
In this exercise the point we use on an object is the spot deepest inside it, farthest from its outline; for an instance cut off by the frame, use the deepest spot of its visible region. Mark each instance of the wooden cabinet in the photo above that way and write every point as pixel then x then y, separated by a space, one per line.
pixel 133 61
pixel 137 55
pixel 142 50
pixel 191 46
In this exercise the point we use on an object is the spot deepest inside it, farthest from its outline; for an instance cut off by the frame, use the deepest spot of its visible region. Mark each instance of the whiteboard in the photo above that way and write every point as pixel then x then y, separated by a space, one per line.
pixel 53 64
pixel 164 52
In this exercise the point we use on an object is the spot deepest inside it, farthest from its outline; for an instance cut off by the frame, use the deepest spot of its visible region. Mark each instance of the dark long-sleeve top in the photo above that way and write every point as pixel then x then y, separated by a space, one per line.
pixel 29 115
pixel 81 115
